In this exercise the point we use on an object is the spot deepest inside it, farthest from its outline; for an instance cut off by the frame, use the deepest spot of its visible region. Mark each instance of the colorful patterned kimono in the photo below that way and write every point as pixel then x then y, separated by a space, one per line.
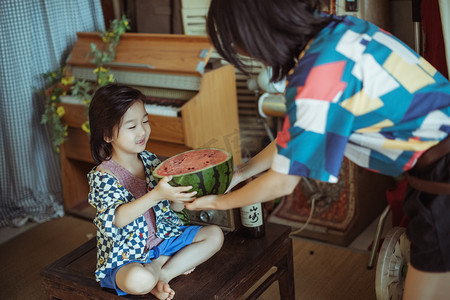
pixel 357 91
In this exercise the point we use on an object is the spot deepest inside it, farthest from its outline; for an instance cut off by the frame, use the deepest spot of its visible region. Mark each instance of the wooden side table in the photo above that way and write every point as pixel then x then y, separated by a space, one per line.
pixel 229 274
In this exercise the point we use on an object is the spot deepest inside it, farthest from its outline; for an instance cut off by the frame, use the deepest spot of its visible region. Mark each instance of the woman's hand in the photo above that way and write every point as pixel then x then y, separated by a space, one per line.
pixel 180 193
pixel 204 203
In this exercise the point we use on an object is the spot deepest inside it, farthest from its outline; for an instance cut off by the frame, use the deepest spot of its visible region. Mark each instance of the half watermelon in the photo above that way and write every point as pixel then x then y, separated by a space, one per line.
pixel 208 170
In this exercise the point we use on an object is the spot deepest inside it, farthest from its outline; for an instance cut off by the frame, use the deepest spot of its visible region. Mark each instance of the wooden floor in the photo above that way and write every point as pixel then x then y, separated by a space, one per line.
pixel 322 271
pixel 325 272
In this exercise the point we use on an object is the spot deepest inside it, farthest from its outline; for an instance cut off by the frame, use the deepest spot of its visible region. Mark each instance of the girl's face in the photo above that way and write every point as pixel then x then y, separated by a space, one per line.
pixel 134 131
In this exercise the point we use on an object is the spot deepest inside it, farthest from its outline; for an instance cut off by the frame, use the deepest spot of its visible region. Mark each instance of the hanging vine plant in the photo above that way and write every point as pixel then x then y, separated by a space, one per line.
pixel 58 83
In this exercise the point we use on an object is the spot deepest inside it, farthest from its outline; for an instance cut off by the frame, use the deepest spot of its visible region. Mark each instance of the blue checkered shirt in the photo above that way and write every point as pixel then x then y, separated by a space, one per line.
pixel 115 246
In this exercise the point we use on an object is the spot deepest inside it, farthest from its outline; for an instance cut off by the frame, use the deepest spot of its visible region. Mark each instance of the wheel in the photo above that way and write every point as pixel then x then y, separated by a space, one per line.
pixel 392 265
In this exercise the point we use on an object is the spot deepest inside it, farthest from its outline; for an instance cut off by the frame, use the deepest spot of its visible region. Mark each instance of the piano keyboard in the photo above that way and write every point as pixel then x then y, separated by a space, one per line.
pixel 153 105
pixel 163 106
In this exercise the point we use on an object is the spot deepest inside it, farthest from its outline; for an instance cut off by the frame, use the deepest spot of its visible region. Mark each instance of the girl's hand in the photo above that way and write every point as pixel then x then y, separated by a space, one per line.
pixel 180 193
pixel 205 203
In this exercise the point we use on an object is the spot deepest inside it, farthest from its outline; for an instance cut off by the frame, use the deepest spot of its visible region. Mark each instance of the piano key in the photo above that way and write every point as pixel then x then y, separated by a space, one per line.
pixel 168 111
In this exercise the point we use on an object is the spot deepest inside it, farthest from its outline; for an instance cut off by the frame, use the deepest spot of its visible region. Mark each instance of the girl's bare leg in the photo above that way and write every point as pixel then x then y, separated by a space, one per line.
pixel 135 279
pixel 426 285
pixel 138 279
pixel 207 242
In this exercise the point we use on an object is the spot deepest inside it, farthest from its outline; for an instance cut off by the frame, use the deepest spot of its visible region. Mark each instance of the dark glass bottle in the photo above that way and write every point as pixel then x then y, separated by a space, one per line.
pixel 252 220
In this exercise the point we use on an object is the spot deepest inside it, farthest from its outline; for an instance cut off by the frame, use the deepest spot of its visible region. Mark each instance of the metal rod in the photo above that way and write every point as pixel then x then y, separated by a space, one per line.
pixel 418 37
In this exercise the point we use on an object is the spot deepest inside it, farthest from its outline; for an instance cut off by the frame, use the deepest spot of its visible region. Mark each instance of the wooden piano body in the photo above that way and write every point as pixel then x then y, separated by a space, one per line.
pixel 161 66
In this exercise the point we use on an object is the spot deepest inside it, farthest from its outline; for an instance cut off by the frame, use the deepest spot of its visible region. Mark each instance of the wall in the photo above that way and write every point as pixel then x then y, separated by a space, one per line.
pixel 401 25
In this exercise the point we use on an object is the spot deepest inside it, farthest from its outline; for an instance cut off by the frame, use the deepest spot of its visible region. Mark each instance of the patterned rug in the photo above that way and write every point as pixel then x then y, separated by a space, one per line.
pixel 334 203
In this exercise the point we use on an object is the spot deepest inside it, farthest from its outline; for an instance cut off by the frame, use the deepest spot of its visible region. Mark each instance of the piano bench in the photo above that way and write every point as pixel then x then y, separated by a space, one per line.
pixel 229 274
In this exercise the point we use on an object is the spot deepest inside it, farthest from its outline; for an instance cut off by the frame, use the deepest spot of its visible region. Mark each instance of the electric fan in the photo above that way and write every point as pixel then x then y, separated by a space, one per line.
pixel 392 265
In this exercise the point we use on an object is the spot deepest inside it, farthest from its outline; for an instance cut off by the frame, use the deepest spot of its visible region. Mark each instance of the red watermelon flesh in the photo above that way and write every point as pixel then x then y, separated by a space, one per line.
pixel 207 170
pixel 192 161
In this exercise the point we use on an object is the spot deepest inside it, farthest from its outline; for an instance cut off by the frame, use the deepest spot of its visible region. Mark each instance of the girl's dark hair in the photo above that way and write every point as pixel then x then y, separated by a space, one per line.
pixel 106 110
pixel 273 32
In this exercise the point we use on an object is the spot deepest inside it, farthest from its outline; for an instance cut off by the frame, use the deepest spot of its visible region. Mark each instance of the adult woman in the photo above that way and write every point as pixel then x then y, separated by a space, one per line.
pixel 352 90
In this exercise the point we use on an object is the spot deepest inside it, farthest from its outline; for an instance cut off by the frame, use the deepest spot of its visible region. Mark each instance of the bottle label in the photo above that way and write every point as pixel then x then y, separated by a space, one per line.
pixel 251 216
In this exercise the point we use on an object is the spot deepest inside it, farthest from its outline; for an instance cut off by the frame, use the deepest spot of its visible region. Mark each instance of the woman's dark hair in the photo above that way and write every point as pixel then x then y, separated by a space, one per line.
pixel 106 110
pixel 271 31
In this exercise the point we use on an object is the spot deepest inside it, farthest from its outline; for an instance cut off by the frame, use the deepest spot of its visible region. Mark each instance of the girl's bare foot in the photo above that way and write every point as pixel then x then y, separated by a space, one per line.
pixel 189 271
pixel 162 291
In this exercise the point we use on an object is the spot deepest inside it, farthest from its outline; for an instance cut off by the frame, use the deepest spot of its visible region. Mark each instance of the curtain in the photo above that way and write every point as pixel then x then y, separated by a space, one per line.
pixel 34 35
pixel 434 46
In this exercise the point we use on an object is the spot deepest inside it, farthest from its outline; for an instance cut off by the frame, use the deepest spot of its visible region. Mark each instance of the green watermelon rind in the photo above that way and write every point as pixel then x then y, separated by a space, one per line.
pixel 212 180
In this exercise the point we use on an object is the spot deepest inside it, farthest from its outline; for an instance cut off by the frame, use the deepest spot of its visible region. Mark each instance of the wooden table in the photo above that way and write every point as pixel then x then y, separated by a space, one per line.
pixel 229 274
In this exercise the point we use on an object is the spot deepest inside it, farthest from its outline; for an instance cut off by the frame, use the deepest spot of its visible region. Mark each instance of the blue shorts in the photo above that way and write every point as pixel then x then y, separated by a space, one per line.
pixel 167 247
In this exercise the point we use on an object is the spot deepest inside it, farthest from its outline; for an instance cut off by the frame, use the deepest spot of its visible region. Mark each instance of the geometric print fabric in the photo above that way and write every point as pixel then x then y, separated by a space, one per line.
pixel 360 92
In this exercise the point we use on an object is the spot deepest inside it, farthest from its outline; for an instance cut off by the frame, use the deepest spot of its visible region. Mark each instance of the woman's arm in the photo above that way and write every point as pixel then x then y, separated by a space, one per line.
pixel 257 164
pixel 266 187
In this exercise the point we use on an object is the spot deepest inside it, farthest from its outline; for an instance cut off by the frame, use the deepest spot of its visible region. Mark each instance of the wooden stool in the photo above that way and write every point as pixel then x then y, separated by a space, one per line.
pixel 229 274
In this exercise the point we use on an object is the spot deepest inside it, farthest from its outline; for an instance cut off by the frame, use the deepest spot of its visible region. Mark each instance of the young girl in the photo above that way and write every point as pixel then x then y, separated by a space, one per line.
pixel 141 243
pixel 352 90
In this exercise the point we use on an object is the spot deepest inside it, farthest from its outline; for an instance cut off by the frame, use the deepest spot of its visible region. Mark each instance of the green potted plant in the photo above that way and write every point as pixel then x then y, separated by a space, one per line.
pixel 59 83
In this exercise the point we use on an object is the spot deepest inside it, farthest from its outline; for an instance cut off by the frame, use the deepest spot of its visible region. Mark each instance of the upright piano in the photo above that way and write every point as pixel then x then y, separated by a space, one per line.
pixel 191 101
